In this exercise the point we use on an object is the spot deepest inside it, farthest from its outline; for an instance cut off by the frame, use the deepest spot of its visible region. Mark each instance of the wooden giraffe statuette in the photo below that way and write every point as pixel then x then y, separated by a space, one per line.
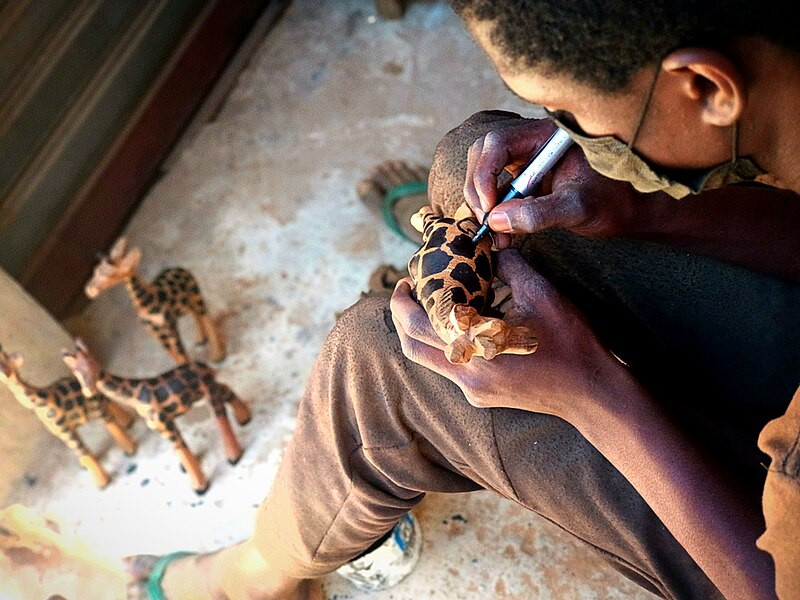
pixel 159 304
pixel 453 282
pixel 159 400
pixel 62 407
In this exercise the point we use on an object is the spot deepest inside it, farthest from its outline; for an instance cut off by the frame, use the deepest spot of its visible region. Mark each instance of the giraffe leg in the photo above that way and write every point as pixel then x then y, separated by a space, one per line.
pixel 188 460
pixel 120 435
pixel 121 416
pixel 217 351
pixel 241 412
pixel 98 473
pixel 221 394
pixel 167 335
pixel 201 337
pixel 86 459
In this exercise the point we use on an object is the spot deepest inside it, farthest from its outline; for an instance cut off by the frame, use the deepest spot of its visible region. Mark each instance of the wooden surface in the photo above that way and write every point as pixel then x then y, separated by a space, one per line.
pixel 98 213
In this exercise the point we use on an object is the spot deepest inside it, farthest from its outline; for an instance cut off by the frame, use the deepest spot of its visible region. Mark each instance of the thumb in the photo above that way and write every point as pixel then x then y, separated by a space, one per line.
pixel 563 208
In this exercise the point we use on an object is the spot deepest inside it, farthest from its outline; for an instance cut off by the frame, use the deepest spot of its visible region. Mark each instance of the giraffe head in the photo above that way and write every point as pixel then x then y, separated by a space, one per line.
pixel 120 265
pixel 84 366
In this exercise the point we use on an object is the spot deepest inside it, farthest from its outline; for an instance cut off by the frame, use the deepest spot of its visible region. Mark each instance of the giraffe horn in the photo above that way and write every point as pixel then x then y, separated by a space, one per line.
pixel 119 249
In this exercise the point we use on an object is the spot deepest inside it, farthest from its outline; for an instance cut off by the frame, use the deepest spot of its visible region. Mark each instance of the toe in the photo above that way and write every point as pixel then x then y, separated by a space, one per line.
pixel 383 175
pixel 140 566
pixel 136 591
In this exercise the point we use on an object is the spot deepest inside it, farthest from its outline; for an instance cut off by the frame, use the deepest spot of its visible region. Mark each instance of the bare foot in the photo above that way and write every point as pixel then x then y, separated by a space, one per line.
pixel 389 175
pixel 183 570
pixel 139 569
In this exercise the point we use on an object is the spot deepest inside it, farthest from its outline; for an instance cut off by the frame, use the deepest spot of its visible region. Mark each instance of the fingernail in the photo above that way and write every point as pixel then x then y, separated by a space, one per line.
pixel 499 221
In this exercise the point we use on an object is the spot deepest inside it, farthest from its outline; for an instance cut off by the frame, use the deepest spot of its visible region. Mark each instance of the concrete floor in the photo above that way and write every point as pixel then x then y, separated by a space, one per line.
pixel 260 205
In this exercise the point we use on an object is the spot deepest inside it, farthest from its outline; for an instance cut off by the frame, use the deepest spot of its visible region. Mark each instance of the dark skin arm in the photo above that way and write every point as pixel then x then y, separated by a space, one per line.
pixel 573 377
pixel 754 226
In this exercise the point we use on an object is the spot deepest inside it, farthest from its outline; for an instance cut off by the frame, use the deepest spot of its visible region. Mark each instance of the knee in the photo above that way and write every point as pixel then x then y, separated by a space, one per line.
pixel 449 167
pixel 363 337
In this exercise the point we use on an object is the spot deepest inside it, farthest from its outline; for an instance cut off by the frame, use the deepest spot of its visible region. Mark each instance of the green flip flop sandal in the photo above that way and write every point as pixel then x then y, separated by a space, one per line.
pixel 411 188
pixel 153 587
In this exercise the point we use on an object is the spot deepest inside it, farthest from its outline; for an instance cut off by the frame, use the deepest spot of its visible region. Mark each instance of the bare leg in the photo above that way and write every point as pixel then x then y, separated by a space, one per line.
pixel 242 571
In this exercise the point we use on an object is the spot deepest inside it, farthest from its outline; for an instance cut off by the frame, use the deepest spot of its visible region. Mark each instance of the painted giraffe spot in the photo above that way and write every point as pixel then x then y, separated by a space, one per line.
pixel 162 393
pixel 437 238
pixel 483 267
pixel 431 286
pixel 465 275
pixel 176 385
pixel 462 246
pixel 435 262
pixel 413 264
pixel 458 296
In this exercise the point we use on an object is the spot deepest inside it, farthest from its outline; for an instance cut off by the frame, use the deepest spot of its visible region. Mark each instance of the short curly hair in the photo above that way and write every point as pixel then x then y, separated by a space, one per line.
pixel 604 42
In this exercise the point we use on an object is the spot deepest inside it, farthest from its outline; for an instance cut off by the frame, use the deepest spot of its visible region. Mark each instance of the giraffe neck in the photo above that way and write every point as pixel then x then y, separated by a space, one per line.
pixel 139 290
pixel 115 387
pixel 25 394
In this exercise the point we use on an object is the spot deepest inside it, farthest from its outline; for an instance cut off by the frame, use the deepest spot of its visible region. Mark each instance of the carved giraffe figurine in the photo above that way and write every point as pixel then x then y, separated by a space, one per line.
pixel 453 282
pixel 173 293
pixel 62 407
pixel 159 400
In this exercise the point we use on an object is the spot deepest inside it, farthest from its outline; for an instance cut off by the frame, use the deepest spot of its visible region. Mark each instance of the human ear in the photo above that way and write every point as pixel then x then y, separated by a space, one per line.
pixel 710 78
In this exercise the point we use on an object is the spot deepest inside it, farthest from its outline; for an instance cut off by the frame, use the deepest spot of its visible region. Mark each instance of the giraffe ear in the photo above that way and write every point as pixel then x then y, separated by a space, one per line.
pixel 118 250
pixel 68 358
pixel 80 345
pixel 418 218
pixel 16 359
pixel 130 262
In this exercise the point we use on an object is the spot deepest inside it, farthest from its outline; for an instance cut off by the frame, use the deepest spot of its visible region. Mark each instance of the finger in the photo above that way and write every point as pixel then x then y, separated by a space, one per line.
pixel 470 194
pixel 411 318
pixel 489 162
pixel 426 356
pixel 506 150
pixel 563 208
pixel 501 240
